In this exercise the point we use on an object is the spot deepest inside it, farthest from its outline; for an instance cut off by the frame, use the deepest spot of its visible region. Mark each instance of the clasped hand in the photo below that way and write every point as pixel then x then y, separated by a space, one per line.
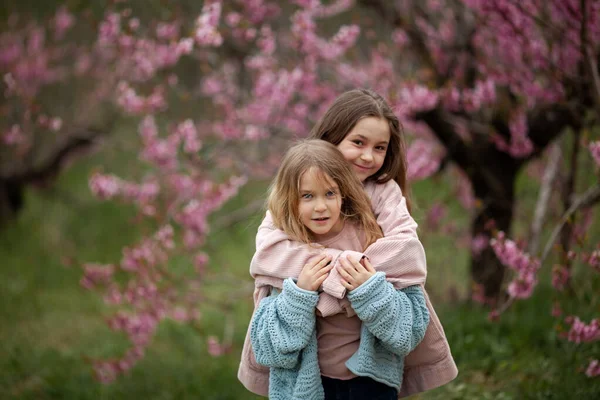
pixel 354 273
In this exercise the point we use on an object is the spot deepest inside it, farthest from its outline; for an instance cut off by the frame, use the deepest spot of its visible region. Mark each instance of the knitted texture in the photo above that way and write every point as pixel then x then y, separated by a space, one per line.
pixel 399 253
pixel 283 336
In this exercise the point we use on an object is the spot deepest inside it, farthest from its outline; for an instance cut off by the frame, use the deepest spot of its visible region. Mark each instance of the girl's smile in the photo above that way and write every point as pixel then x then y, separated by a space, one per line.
pixel 365 146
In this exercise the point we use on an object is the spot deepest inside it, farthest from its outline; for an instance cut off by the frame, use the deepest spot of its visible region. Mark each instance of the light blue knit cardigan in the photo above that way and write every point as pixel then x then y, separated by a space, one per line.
pixel 284 337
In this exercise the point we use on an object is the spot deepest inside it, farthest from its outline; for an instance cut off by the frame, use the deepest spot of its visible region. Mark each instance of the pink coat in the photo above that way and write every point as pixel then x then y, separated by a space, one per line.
pixel 399 254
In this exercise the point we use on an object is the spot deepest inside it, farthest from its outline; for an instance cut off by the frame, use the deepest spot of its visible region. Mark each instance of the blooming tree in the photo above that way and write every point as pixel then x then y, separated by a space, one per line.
pixel 482 85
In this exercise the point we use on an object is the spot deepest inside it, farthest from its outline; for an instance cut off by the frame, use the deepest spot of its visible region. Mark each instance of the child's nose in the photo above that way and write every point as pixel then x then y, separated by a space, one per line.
pixel 320 205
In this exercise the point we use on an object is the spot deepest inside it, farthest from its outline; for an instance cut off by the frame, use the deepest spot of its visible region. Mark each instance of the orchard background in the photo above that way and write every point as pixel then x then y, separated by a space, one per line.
pixel 138 138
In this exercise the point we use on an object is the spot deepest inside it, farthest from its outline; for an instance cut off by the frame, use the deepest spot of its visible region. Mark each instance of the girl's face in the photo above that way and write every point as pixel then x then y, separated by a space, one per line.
pixel 320 204
pixel 365 146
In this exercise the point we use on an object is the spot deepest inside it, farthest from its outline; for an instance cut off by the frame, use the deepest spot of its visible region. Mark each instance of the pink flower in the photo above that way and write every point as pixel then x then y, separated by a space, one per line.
pixel 105 186
pixel 400 37
pixel 560 277
pixel 556 310
pixel 419 98
pixel 522 263
pixel 63 20
pixel 593 369
pixel 14 136
pixel 595 151
pixel 582 333
pixel 189 135
pixel 233 19
pixel 214 348
pixel 96 274
pixel 423 160
pixel 479 243
pixel 206 33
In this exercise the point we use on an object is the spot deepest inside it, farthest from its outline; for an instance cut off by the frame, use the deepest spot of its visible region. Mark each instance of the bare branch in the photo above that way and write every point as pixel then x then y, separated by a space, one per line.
pixel 541 206
pixel 588 199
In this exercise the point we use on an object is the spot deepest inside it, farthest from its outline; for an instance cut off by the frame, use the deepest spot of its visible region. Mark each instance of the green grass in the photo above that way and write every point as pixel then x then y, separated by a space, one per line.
pixel 49 325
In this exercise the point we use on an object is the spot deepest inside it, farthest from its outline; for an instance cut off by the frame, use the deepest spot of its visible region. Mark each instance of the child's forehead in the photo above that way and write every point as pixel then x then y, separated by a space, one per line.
pixel 316 177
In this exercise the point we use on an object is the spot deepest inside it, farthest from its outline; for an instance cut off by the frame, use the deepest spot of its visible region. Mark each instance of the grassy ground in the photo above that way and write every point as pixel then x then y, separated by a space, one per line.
pixel 49 325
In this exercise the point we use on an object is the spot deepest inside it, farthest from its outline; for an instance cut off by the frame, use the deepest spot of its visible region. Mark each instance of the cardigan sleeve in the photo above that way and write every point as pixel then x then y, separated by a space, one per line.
pixel 398 318
pixel 282 326
pixel 399 252
pixel 281 257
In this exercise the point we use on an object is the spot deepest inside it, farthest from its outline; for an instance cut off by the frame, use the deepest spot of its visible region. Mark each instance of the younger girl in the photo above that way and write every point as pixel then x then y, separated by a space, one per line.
pixel 364 128
pixel 316 197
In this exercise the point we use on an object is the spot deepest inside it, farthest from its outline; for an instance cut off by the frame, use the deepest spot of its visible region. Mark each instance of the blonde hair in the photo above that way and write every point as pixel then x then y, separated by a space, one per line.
pixel 284 193
pixel 345 112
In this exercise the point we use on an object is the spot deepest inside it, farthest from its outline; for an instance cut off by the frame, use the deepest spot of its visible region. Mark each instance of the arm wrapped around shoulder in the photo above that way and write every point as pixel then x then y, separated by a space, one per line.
pixel 397 317
pixel 282 326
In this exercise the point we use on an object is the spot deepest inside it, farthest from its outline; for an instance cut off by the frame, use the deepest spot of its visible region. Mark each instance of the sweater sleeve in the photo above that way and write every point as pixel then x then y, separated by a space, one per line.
pixel 281 257
pixel 398 318
pixel 282 326
pixel 399 252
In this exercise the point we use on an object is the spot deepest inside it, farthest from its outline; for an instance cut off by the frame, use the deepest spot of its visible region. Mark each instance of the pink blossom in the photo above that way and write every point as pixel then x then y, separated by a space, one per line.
pixel 113 295
pixel 109 29
pixel 556 310
pixel 189 135
pixel 106 371
pixel 418 98
pixel 63 20
pixel 560 277
pixel 200 262
pixel 165 237
pixel 422 160
pixel 96 274
pixel 167 31
pixel 522 263
pixel 55 123
pixel 215 349
pixel 479 243
pixel 185 46
pixel 400 37
pixel 105 186
pixel 134 24
pixel 14 136
pixel 594 259
pixel 233 19
pixel 581 332
pixel 520 145
pixel 595 150
pixel 436 213
pixel 593 369
pixel 206 33
pixel 148 129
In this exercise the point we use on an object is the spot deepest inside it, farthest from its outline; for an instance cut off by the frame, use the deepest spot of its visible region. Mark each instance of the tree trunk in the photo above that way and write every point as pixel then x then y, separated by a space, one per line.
pixel 495 213
pixel 11 201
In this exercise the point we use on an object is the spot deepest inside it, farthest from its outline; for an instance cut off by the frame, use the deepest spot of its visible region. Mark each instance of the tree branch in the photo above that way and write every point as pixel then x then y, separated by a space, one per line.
pixel 588 199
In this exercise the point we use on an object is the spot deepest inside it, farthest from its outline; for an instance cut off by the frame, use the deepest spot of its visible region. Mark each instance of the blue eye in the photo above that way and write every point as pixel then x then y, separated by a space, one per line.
pixel 331 193
pixel 306 196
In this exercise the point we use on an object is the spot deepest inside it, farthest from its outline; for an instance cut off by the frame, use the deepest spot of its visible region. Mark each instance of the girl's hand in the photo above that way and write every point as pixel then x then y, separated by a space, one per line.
pixel 354 273
pixel 314 273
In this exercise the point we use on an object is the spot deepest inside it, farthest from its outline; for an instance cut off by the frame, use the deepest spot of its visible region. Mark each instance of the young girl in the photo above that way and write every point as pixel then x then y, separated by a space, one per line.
pixel 316 197
pixel 363 127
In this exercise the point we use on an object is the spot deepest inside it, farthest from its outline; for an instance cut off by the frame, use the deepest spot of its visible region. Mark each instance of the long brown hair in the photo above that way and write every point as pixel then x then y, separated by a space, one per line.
pixel 284 193
pixel 349 108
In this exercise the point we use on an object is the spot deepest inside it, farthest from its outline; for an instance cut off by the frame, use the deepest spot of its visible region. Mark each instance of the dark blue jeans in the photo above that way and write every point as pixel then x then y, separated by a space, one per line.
pixel 360 388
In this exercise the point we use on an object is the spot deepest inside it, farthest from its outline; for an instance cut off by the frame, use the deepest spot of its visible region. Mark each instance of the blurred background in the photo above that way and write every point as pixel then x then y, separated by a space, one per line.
pixel 138 139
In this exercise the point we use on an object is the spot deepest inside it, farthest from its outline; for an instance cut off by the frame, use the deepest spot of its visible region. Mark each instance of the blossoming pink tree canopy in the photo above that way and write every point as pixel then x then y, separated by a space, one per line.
pixel 484 85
